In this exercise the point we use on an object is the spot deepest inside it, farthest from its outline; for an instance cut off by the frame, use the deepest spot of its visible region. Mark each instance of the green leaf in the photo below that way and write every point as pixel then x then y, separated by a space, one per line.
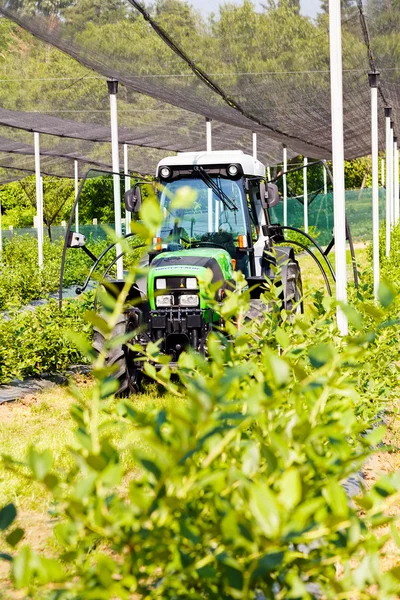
pixel 39 462
pixel 376 435
pixel 7 557
pixel 50 481
pixel 184 198
pixel 279 368
pixel 352 315
pixel 282 338
pixel 336 498
pixel 15 536
pixel 96 462
pixel 395 534
pixel 150 214
pixel 265 509
pixel 291 489
pixel 101 324
pixel 152 467
pixel 111 476
pixel 21 568
pixel 320 355
pixel 386 293
pixel 7 516
pixel 251 459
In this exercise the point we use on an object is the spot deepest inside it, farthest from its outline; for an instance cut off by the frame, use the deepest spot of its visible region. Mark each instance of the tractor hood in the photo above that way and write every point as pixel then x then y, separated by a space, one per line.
pixel 176 266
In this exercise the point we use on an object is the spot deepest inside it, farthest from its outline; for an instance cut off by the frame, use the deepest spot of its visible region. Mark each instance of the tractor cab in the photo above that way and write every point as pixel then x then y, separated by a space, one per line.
pixel 229 210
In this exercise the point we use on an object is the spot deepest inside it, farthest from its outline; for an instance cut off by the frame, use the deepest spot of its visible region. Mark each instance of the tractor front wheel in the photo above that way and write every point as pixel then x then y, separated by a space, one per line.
pixel 116 357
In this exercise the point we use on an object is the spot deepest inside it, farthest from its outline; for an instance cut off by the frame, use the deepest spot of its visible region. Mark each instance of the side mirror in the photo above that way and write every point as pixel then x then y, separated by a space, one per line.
pixel 272 195
pixel 76 240
pixel 269 195
pixel 133 199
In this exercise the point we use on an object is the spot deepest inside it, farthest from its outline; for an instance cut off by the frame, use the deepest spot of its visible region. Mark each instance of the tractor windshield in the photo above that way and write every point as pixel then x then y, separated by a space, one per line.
pixel 209 218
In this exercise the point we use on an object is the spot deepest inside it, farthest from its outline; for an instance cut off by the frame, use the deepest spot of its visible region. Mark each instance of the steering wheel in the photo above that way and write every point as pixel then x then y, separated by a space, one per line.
pixel 200 244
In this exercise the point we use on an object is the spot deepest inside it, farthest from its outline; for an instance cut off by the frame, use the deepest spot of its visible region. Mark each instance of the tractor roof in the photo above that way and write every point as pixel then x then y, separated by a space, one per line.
pixel 249 165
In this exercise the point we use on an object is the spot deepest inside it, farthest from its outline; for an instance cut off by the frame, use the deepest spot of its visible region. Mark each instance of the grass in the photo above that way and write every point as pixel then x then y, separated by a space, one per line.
pixel 312 277
pixel 44 420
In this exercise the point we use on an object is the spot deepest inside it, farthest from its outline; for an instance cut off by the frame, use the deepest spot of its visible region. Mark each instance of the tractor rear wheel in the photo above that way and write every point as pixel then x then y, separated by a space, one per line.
pixel 116 357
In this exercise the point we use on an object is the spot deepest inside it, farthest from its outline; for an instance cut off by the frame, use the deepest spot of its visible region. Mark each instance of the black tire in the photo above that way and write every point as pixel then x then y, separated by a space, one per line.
pixel 256 310
pixel 115 357
pixel 293 289
pixel 292 301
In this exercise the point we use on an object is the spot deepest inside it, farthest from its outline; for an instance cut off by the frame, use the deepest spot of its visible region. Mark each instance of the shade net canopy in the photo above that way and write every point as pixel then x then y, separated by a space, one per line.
pixel 265 71
pixel 58 156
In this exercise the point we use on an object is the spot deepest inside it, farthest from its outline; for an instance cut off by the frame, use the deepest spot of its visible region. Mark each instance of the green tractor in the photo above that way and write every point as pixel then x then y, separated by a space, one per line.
pixel 227 228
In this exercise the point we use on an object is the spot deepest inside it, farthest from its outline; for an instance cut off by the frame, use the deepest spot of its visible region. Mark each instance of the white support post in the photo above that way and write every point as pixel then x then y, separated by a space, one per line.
pixel 1 232
pixel 305 195
pixel 388 112
pixel 210 192
pixel 284 182
pixel 113 90
pixel 397 189
pixel 392 178
pixel 76 177
pixel 209 135
pixel 269 173
pixel 373 82
pixel 395 212
pixel 39 199
pixel 254 146
pixel 128 214
pixel 217 213
pixel 335 47
pixel 325 179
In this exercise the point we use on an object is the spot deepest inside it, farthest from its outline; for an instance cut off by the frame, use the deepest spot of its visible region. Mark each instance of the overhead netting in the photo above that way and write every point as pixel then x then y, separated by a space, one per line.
pixel 265 71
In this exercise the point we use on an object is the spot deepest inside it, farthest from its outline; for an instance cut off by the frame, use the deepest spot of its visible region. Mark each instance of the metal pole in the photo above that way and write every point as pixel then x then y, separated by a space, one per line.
pixel 373 82
pixel 392 173
pixel 395 182
pixel 284 185
pixel 335 44
pixel 268 173
pixel 113 90
pixel 210 193
pixel 325 180
pixel 397 199
pixel 1 232
pixel 127 187
pixel 305 195
pixel 209 135
pixel 39 198
pixel 254 146
pixel 76 173
pixel 388 112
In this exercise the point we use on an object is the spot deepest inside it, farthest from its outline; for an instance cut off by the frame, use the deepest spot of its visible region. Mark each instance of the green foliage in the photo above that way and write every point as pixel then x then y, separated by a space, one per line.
pixel 21 280
pixel 298 237
pixel 38 341
pixel 236 488
pixel 18 201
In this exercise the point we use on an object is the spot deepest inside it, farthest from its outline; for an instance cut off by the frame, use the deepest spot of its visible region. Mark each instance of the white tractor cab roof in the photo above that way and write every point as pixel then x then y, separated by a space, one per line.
pixel 251 167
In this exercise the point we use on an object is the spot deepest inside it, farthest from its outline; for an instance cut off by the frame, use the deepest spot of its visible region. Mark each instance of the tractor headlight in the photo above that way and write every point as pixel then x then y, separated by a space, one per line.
pixel 233 170
pixel 165 172
pixel 191 283
pixel 162 301
pixel 161 284
pixel 189 300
